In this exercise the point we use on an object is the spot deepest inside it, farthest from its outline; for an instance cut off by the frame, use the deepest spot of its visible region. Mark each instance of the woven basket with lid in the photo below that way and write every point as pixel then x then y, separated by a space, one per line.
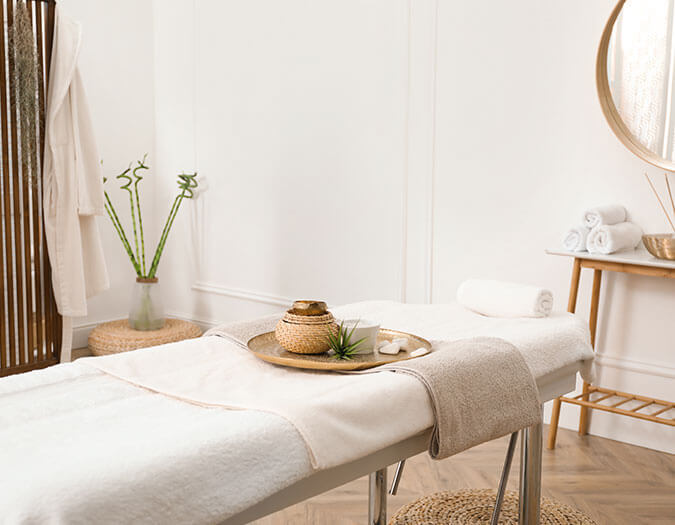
pixel 305 327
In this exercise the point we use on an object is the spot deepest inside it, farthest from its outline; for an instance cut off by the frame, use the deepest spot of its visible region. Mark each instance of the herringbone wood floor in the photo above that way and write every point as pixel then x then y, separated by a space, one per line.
pixel 611 482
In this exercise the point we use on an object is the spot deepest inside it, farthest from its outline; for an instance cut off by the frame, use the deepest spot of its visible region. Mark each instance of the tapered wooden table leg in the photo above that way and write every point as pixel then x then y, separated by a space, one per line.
pixel 593 325
pixel 571 307
pixel 553 425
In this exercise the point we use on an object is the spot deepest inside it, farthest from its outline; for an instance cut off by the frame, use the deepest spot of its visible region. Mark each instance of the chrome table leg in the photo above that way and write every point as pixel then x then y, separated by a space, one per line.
pixel 504 479
pixel 397 477
pixel 377 498
pixel 530 475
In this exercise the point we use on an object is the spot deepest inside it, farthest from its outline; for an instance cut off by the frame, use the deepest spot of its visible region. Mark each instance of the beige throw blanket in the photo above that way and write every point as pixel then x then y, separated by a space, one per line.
pixel 480 389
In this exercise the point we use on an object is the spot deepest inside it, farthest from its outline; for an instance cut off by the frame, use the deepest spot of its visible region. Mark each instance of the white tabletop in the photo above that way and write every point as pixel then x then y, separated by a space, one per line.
pixel 639 257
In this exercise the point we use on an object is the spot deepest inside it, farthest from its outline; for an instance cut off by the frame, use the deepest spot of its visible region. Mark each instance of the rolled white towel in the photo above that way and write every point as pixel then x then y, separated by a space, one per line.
pixel 503 299
pixel 610 238
pixel 575 239
pixel 610 214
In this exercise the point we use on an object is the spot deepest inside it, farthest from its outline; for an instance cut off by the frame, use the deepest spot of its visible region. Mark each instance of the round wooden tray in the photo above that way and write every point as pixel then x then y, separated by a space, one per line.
pixel 266 347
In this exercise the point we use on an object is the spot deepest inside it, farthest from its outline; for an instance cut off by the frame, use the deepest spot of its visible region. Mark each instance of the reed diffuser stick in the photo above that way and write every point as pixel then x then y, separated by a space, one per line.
pixel 670 193
pixel 660 202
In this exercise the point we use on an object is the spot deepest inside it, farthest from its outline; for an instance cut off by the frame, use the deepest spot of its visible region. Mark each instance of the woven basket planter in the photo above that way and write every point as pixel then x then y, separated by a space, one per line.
pixel 302 334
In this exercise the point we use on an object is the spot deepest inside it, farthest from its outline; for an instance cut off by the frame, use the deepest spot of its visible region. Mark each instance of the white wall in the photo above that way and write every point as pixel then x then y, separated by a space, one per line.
pixel 116 62
pixel 521 148
pixel 390 149
pixel 300 127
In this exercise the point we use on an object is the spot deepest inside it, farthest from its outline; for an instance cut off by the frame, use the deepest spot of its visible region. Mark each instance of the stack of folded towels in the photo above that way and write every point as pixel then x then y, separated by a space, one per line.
pixel 604 230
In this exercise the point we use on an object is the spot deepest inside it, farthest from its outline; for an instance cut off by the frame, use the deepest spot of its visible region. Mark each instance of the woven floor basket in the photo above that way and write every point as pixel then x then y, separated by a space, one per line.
pixel 117 336
pixel 474 507
pixel 302 334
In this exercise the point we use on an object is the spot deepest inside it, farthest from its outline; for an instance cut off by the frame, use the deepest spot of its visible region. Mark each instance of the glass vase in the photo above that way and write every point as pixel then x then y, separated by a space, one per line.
pixel 147 308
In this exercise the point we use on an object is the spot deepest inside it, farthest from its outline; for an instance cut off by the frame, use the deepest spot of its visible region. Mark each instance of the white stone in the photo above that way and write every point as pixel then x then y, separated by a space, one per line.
pixel 403 342
pixel 419 352
pixel 391 349
pixel 382 343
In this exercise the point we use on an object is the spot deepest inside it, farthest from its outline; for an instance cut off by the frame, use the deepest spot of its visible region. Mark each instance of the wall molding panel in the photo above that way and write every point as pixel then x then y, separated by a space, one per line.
pixel 244 295
pixel 417 197
pixel 418 200
pixel 395 60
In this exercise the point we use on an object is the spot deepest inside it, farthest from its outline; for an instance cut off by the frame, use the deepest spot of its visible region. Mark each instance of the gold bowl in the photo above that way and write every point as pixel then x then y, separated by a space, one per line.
pixel 309 308
pixel 660 245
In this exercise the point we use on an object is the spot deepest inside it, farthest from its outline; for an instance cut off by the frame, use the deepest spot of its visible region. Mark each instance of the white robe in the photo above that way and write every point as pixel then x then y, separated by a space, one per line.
pixel 72 182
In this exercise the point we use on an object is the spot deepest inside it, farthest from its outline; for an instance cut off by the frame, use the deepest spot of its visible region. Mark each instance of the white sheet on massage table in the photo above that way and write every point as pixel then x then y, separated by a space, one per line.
pixel 87 447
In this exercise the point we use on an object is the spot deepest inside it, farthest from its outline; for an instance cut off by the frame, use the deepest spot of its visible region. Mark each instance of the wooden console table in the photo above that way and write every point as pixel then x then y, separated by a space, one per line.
pixel 638 262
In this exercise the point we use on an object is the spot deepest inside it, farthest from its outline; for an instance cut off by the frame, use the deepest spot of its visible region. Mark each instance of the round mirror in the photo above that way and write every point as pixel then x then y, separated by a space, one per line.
pixel 635 74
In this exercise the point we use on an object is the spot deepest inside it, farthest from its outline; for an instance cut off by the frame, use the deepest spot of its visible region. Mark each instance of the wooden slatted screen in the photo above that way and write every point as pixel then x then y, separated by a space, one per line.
pixel 30 326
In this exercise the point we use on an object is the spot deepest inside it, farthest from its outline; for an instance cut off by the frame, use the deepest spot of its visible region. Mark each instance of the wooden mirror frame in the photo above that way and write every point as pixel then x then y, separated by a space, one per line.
pixel 614 120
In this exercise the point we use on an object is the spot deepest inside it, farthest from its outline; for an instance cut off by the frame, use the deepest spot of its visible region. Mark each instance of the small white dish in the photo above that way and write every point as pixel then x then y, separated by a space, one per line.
pixel 363 329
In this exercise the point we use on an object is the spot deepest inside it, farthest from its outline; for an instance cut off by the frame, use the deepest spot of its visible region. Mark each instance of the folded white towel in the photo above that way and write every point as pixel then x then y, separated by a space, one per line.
pixel 575 239
pixel 503 299
pixel 610 214
pixel 610 238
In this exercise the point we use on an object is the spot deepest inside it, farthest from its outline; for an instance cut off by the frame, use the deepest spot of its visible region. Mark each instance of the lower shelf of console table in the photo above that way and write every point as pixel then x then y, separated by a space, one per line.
pixel 658 407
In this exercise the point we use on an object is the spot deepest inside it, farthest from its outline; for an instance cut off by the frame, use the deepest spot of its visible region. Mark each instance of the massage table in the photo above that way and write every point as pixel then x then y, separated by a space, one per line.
pixel 114 448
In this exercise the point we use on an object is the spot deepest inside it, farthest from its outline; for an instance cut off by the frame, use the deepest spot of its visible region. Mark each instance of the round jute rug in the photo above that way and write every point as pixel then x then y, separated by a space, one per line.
pixel 474 507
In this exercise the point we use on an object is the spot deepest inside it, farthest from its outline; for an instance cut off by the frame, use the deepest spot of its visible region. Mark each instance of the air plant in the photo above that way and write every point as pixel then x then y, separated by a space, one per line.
pixel 131 179
pixel 341 342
